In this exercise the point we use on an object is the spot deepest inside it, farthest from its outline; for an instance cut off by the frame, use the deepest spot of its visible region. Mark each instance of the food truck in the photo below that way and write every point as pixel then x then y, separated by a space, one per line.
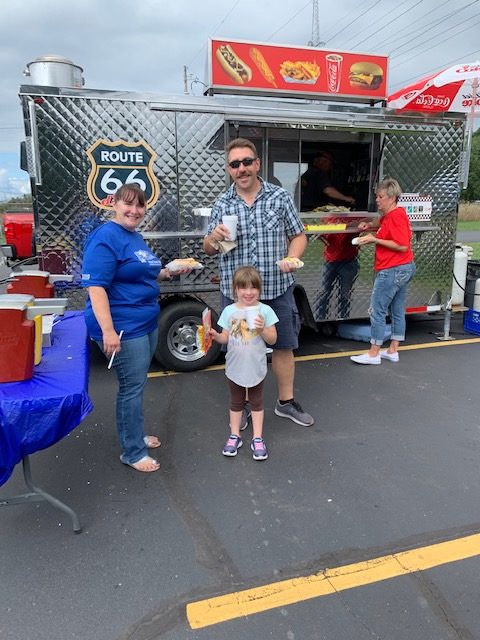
pixel 82 144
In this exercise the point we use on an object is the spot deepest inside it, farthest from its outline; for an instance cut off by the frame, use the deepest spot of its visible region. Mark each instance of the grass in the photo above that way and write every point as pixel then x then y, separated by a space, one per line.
pixel 469 212
pixel 468 225
pixel 469 220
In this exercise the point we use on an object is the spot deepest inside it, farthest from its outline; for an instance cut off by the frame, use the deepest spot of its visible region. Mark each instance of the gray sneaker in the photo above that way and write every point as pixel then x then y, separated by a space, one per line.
pixel 246 413
pixel 294 411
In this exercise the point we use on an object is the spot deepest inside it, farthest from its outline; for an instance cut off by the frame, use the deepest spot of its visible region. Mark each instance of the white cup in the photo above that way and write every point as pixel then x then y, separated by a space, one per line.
pixel 250 314
pixel 231 223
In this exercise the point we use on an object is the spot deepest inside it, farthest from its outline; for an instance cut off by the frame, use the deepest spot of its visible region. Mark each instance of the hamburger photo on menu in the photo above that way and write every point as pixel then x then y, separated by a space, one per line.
pixel 365 75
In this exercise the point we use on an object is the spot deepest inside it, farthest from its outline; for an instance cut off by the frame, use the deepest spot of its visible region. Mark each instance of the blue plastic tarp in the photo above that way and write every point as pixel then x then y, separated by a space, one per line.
pixel 36 413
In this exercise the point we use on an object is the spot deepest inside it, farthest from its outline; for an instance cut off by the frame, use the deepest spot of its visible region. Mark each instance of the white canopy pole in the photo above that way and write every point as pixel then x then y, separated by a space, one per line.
pixel 471 119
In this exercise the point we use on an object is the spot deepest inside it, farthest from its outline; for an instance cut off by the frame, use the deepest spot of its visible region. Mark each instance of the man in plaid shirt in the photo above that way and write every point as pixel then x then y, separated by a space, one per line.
pixel 269 229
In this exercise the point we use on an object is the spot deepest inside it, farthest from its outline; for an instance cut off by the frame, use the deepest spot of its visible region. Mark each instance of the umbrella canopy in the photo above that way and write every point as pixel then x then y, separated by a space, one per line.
pixel 454 90
pixel 450 90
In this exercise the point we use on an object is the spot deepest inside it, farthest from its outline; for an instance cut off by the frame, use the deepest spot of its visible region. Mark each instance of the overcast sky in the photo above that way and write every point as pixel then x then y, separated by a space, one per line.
pixel 144 45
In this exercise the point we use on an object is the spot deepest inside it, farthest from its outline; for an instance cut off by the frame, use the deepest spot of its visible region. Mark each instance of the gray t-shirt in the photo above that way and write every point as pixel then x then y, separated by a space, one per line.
pixel 246 359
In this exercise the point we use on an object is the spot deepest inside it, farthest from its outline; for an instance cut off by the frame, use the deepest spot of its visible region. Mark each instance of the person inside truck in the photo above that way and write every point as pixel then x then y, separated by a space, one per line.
pixel 121 276
pixel 340 266
pixel 269 230
pixel 394 268
pixel 316 186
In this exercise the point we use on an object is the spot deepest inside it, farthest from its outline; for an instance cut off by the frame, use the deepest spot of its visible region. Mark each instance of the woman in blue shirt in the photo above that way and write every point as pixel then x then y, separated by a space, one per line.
pixel 121 275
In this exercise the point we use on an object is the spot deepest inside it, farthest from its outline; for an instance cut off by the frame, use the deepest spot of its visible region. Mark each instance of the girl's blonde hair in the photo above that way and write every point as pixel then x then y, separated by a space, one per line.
pixel 246 276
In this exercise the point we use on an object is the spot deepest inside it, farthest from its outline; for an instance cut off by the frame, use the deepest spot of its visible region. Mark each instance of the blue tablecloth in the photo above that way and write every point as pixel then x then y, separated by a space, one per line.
pixel 36 413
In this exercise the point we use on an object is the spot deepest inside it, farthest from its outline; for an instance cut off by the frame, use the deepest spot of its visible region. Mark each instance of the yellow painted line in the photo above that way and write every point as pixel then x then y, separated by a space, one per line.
pixel 329 356
pixel 278 594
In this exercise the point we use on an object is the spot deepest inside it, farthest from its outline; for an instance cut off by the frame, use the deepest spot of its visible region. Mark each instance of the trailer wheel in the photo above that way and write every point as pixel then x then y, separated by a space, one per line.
pixel 177 348
pixel 329 329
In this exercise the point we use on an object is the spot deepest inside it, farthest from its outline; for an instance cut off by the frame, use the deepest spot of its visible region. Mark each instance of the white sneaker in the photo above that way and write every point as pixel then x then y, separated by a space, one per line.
pixel 366 359
pixel 393 357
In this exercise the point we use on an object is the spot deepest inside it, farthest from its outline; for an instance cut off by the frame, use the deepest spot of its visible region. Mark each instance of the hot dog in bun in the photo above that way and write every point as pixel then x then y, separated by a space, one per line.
pixel 365 75
pixel 233 65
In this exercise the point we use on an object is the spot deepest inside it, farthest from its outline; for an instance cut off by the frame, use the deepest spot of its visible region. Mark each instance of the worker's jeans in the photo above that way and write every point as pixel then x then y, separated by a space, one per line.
pixel 131 365
pixel 345 272
pixel 388 298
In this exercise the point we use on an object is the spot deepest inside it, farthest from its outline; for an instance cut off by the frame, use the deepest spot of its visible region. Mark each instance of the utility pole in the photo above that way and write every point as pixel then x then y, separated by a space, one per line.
pixel 315 41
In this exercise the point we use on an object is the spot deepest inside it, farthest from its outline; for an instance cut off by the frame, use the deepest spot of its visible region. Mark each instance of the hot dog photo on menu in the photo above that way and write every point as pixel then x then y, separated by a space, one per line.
pixel 247 67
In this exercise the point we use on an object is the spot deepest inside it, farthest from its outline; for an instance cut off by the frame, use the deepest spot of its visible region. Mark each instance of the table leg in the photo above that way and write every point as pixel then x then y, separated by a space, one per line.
pixel 38 495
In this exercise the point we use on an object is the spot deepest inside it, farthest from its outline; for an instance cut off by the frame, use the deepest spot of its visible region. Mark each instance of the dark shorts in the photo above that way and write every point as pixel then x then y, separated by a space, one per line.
pixel 288 325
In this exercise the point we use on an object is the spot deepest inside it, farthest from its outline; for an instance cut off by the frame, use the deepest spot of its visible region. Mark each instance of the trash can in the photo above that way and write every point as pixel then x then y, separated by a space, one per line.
pixel 472 285
pixel 18 229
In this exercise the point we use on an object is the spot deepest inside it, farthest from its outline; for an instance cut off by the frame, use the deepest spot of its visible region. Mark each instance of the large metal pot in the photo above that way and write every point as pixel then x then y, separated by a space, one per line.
pixel 54 71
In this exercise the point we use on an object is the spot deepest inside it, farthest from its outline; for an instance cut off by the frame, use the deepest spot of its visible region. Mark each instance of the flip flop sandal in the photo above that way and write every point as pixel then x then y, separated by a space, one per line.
pixel 150 442
pixel 135 465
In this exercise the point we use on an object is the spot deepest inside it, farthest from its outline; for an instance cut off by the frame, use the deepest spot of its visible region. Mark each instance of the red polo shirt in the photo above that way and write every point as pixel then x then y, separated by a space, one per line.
pixel 395 226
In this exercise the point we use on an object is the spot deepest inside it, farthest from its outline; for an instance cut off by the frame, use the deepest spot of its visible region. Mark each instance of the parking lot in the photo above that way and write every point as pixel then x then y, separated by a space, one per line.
pixel 366 525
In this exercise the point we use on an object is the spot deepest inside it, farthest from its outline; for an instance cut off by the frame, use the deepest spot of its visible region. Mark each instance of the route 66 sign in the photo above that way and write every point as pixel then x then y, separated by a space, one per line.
pixel 114 164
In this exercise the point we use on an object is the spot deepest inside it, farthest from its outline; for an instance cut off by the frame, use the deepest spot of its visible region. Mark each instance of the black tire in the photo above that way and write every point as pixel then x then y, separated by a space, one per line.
pixel 329 329
pixel 177 348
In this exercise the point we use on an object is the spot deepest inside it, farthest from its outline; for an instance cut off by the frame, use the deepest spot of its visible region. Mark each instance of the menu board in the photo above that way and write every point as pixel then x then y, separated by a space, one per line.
pixel 238 66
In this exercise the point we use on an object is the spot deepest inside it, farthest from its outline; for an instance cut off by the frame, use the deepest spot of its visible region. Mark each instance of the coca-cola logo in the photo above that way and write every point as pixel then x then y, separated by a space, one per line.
pixel 467 101
pixel 427 100
pixel 468 68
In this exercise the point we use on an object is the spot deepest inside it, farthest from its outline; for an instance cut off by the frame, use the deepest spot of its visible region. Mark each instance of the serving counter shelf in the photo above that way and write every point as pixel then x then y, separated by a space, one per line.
pixel 348 216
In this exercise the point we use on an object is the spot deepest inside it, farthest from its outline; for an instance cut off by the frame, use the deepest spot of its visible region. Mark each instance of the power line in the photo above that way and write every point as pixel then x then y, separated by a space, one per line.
pixel 421 27
pixel 433 47
pixel 288 21
pixel 389 19
pixel 214 31
pixel 363 13
pixel 437 68
pixel 436 36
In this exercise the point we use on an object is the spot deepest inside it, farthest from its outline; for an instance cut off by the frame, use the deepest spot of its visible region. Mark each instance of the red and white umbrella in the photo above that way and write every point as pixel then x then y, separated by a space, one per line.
pixel 454 90
pixel 450 90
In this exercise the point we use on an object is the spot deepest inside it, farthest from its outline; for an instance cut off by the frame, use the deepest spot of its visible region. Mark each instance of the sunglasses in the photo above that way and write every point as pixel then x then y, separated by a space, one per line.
pixel 247 162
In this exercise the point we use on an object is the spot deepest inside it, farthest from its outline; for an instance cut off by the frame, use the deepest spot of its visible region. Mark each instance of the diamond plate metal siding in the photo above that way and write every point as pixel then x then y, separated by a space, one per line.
pixel 201 179
pixel 429 164
pixel 190 168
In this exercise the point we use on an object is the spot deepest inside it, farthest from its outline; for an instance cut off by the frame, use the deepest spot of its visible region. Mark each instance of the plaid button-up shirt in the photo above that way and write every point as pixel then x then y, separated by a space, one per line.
pixel 263 234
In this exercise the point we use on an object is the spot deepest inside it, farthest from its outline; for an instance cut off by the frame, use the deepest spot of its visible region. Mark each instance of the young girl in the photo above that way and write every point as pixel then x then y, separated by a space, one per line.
pixel 246 359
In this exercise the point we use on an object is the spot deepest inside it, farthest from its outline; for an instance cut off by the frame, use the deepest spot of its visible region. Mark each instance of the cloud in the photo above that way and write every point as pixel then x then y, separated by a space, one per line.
pixel 12 187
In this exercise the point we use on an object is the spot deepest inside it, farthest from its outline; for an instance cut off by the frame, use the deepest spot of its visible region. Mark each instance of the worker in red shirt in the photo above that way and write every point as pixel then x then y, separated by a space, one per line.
pixel 394 268
pixel 340 266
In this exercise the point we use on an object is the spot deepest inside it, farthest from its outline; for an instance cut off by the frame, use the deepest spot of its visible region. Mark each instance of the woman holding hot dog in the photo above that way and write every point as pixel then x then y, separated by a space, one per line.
pixel 394 268
pixel 121 275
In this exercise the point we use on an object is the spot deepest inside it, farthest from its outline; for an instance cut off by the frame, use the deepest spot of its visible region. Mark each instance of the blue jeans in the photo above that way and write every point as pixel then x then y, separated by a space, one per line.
pixel 131 365
pixel 345 271
pixel 388 298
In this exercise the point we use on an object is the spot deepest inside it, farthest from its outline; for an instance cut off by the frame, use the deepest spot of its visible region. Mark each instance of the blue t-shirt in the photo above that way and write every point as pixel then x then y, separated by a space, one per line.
pixel 119 261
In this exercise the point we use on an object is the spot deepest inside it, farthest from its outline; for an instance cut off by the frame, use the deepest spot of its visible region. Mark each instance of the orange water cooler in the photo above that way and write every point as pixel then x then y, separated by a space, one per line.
pixel 21 333
pixel 39 284
pixel 17 343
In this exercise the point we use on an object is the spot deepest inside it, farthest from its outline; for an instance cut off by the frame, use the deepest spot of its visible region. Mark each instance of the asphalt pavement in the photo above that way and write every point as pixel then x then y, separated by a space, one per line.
pixel 364 526
pixel 468 236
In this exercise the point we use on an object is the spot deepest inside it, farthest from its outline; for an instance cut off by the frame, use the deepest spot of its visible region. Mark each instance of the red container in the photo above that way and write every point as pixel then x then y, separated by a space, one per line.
pixel 18 228
pixel 36 285
pixel 17 344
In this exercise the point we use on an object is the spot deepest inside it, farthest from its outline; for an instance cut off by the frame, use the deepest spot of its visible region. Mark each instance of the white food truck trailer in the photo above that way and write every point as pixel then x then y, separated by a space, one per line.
pixel 82 144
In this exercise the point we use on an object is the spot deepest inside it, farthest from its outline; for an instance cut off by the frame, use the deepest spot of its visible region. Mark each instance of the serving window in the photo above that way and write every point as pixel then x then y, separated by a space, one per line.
pixel 287 153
